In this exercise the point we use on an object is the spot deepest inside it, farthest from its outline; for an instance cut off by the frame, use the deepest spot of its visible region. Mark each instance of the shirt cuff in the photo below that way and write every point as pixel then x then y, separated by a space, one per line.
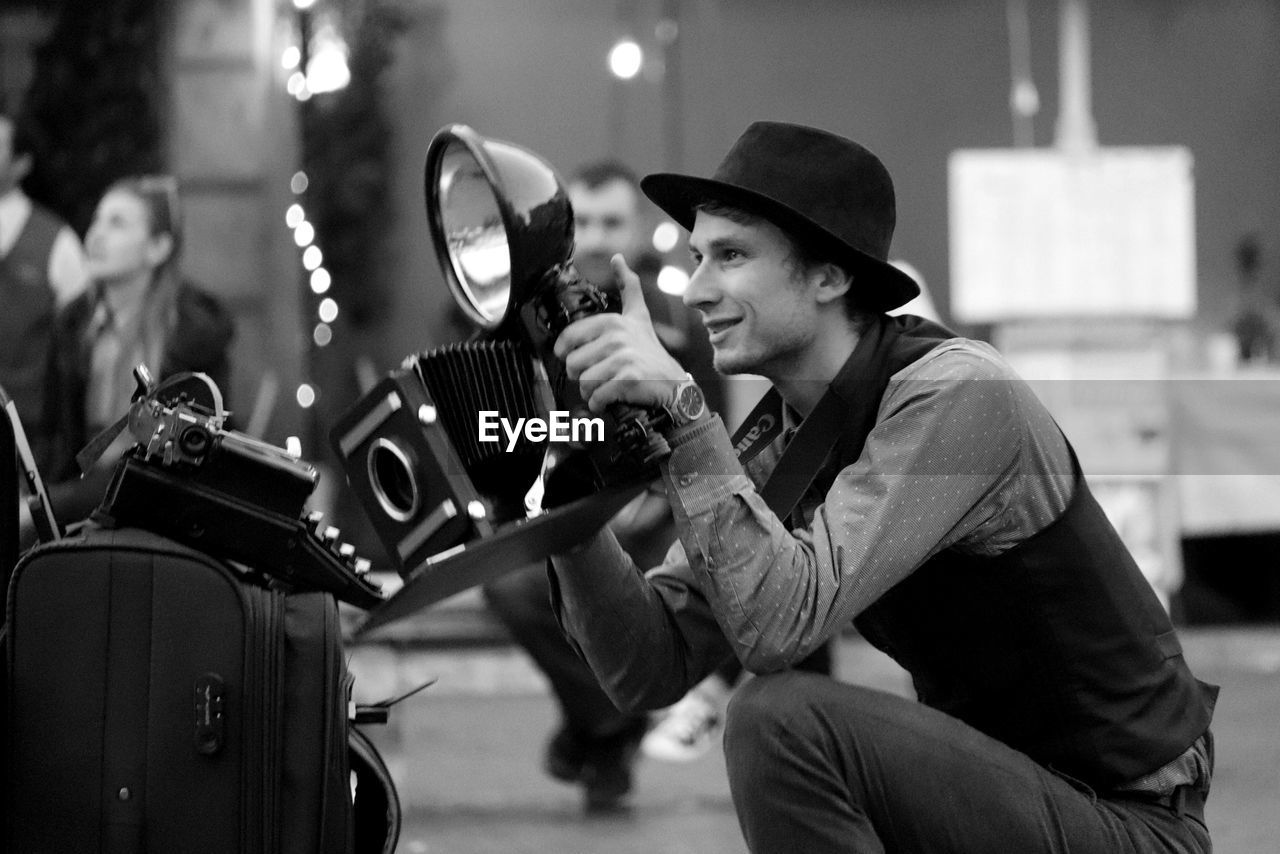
pixel 703 469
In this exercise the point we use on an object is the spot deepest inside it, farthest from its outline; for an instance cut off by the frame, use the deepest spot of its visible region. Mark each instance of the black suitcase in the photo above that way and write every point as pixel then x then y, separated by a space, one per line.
pixel 161 700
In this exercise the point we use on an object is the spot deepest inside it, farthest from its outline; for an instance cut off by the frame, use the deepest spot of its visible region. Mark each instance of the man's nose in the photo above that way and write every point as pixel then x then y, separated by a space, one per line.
pixel 701 291
pixel 589 238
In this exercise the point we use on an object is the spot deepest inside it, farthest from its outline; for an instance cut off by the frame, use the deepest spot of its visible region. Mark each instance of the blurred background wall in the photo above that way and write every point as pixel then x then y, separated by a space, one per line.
pixel 914 80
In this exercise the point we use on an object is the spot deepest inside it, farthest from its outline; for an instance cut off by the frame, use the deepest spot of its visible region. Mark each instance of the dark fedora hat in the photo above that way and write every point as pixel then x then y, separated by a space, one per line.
pixel 828 192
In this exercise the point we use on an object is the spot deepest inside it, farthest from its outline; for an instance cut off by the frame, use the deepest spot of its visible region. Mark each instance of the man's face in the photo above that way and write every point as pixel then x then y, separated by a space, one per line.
pixel 12 169
pixel 753 302
pixel 606 221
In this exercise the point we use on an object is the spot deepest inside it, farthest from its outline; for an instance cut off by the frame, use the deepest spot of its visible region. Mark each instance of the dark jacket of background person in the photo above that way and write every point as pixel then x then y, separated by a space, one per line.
pixel 199 341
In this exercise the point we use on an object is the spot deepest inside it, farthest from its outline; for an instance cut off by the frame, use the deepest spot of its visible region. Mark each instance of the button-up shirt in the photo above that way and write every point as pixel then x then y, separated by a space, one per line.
pixel 963 455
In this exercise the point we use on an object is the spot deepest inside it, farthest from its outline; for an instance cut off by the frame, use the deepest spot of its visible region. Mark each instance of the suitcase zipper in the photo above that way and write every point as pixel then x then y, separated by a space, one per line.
pixel 338 689
pixel 273 699
pixel 261 692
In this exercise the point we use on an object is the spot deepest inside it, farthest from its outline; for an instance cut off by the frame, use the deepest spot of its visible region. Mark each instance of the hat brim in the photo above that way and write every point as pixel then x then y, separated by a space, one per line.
pixel 679 196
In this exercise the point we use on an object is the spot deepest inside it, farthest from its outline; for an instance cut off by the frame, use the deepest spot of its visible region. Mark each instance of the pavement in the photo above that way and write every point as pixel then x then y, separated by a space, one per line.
pixel 466 754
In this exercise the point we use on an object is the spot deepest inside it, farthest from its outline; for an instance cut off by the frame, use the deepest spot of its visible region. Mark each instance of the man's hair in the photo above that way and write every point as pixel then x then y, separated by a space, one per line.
pixel 597 173
pixel 801 257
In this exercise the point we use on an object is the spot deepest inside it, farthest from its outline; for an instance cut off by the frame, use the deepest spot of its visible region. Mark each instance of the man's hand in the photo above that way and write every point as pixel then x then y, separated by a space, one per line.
pixel 618 357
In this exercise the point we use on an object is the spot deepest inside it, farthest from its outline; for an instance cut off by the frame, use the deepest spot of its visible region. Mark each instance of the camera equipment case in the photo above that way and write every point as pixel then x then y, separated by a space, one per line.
pixel 159 699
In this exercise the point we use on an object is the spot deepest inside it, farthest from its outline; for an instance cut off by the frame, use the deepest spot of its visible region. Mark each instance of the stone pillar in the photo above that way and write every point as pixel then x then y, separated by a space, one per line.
pixel 233 145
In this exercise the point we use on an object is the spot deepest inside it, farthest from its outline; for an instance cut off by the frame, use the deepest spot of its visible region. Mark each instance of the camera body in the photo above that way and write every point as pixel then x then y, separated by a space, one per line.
pixel 229 495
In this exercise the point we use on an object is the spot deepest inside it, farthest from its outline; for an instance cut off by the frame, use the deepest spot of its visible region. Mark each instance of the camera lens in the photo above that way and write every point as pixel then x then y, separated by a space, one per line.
pixel 194 441
pixel 392 480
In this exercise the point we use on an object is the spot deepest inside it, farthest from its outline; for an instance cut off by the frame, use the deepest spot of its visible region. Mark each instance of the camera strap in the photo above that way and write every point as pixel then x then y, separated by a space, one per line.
pixel 834 433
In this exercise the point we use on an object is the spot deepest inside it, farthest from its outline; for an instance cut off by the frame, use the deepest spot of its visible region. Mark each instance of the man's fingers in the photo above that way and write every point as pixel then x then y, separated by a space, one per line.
pixel 632 293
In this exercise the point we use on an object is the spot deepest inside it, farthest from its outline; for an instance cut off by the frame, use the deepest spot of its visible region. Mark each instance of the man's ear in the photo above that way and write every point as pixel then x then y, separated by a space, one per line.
pixel 832 282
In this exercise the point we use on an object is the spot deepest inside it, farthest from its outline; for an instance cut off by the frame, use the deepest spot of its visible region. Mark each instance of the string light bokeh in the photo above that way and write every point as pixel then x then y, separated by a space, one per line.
pixel 316 59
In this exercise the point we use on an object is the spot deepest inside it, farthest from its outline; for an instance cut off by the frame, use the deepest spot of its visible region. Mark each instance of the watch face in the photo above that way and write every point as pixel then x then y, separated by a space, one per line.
pixel 689 403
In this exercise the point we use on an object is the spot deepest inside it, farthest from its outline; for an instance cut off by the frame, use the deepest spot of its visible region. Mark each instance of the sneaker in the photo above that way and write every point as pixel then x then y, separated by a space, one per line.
pixel 686 732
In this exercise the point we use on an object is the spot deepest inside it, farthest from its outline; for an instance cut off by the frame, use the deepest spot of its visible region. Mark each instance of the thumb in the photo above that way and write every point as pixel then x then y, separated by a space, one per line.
pixel 632 294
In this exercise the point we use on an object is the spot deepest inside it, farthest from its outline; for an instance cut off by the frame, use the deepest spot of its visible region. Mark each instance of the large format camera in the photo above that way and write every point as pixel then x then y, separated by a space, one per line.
pixel 452 506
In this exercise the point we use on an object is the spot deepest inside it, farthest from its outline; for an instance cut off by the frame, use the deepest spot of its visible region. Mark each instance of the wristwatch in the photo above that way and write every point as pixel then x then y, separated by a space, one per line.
pixel 688 404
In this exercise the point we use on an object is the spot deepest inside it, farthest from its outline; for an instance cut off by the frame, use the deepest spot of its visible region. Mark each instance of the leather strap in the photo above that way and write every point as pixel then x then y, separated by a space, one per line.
pixel 844 414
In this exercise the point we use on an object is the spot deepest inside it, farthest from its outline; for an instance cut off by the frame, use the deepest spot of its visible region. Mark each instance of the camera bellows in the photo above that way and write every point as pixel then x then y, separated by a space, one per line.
pixel 483 376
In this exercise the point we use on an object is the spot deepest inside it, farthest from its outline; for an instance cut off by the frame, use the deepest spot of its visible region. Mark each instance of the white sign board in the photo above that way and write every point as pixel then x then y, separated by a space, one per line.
pixel 1042 233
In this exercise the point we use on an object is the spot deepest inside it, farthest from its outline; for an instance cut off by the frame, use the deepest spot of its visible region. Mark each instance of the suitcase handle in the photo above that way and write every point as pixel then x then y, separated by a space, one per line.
pixel 17 451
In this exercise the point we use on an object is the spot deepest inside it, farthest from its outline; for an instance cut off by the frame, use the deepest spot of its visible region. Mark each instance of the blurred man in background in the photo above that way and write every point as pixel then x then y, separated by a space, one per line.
pixel 595 745
pixel 42 269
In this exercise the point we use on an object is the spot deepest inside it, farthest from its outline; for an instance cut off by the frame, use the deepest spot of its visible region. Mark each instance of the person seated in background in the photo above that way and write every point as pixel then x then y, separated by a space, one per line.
pixel 138 310
pixel 1255 318
pixel 42 268
pixel 594 744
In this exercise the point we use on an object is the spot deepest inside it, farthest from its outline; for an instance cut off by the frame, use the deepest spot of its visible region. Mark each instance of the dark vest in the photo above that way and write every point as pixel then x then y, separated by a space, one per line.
pixel 1058 647
pixel 26 321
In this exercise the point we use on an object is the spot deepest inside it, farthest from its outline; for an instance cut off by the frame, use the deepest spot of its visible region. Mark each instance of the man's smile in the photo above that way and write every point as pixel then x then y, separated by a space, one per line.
pixel 717 329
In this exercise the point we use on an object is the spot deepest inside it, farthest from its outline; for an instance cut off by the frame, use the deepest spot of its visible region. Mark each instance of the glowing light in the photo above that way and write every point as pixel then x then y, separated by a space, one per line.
pixel 1025 98
pixel 327 69
pixel 293 446
pixel 328 310
pixel 290 58
pixel 673 280
pixel 294 216
pixel 322 334
pixel 304 4
pixel 311 257
pixel 666 236
pixel 306 396
pixel 625 59
pixel 320 280
pixel 304 233
pixel 298 183
pixel 297 84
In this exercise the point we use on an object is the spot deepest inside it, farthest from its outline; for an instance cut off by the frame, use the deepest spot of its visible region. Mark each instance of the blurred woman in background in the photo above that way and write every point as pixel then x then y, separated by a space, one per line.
pixel 137 309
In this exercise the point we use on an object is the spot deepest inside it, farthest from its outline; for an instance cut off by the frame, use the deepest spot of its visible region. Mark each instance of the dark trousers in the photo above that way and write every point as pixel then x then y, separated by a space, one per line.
pixel 521 600
pixel 820 766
